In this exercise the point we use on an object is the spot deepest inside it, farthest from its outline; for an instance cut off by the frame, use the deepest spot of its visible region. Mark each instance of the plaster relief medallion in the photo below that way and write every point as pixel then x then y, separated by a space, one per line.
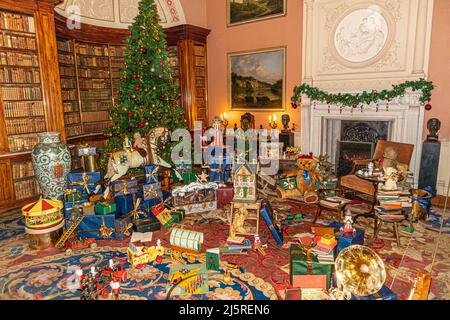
pixel 361 35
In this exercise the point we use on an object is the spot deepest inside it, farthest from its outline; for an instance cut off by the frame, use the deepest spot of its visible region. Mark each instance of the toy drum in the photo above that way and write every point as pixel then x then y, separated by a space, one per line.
pixel 44 238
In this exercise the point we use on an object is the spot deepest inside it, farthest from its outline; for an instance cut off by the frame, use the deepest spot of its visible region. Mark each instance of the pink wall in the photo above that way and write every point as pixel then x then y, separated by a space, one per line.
pixel 277 32
pixel 439 68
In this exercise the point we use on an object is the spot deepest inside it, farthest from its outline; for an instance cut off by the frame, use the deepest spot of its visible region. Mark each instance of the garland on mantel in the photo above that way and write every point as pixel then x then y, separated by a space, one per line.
pixel 354 100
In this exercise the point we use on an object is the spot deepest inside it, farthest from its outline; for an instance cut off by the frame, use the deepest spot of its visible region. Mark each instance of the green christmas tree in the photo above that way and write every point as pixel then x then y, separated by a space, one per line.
pixel 148 92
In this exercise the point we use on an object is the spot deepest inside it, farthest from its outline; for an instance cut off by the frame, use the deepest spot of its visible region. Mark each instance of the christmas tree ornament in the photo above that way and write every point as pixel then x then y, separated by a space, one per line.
pixel 428 107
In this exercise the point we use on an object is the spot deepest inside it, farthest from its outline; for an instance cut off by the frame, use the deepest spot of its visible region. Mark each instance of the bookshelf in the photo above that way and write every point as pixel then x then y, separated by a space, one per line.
pixel 90 80
pixel 20 80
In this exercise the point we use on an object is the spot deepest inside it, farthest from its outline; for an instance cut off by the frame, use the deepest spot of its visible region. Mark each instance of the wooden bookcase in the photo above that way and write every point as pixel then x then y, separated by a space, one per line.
pixel 30 93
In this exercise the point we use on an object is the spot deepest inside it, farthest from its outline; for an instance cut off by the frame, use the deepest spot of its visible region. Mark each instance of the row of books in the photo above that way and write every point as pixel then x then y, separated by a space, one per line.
pixel 67 83
pixel 72 118
pixel 22 143
pixel 22 169
pixel 25 125
pixel 67 71
pixel 65 46
pixel 94 84
pixel 70 106
pixel 117 63
pixel 95 127
pixel 23 109
pixel 69 94
pixel 16 22
pixel 96 105
pixel 92 50
pixel 17 42
pixel 117 51
pixel 96 116
pixel 393 202
pixel 93 73
pixel 19 59
pixel 67 59
pixel 26 189
pixel 74 130
pixel 19 75
pixel 21 93
pixel 93 61
pixel 116 74
pixel 96 94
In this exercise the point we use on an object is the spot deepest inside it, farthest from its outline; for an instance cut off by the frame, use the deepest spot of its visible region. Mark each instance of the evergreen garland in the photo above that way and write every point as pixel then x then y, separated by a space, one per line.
pixel 353 100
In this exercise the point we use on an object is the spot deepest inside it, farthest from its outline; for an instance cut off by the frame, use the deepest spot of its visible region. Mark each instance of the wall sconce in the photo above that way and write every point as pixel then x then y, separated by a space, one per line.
pixel 273 121
pixel 224 118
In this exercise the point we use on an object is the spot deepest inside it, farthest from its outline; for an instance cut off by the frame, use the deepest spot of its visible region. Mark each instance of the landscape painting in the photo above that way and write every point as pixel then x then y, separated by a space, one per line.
pixel 257 80
pixel 243 11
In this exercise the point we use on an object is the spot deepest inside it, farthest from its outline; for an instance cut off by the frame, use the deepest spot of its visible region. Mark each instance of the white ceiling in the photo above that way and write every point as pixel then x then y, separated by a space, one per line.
pixel 119 13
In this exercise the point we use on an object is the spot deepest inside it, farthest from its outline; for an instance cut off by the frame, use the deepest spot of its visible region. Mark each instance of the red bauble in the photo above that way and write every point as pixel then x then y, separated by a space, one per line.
pixel 135 76
pixel 129 114
pixel 142 124
pixel 144 50
pixel 294 105
pixel 137 88
pixel 428 107
pixel 161 63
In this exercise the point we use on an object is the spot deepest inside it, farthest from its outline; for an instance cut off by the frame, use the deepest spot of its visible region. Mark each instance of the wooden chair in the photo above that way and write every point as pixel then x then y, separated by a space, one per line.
pixel 357 185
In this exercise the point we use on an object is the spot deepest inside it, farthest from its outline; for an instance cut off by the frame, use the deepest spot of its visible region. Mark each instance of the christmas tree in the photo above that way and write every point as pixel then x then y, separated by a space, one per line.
pixel 148 92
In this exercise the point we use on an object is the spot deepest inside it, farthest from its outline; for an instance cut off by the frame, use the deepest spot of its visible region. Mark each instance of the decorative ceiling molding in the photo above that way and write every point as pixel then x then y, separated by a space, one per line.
pixel 119 13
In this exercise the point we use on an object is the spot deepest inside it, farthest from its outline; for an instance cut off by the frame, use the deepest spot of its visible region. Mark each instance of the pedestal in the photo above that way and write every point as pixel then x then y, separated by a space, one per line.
pixel 429 164
pixel 287 138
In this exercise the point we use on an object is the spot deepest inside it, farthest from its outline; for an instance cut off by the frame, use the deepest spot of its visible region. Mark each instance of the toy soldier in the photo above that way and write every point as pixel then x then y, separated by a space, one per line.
pixel 127 146
pixel 115 288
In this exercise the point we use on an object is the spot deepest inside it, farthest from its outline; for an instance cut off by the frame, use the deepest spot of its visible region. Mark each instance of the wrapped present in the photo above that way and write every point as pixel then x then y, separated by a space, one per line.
pixel 272 220
pixel 72 195
pixel 220 169
pixel 306 271
pixel 225 195
pixel 147 225
pixel 348 239
pixel 151 174
pixel 124 228
pixel 328 184
pixel 125 187
pixel 384 294
pixel 85 150
pixel 147 205
pixel 177 215
pixel 196 197
pixel 97 227
pixel 125 204
pixel 288 183
pixel 188 177
pixel 163 215
pixel 151 191
pixel 85 182
pixel 104 208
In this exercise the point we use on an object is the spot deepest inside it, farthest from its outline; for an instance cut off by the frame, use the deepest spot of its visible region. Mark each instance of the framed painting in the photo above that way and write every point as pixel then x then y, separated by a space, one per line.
pixel 256 80
pixel 245 11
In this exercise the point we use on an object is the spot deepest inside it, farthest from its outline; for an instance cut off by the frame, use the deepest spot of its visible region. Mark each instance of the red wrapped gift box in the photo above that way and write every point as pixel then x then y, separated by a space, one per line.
pixel 224 195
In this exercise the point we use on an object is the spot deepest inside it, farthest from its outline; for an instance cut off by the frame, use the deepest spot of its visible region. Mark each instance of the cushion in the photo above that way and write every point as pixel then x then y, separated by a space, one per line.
pixel 357 184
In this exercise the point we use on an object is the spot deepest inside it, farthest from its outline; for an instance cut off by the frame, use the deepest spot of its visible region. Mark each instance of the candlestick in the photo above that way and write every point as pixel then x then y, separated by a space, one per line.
pixel 273 124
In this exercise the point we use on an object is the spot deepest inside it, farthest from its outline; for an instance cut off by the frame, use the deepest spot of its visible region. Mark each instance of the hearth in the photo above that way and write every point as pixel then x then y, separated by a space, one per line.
pixel 348 151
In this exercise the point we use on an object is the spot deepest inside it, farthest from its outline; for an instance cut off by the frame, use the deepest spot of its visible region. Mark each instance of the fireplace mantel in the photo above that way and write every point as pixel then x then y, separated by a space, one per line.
pixel 405 114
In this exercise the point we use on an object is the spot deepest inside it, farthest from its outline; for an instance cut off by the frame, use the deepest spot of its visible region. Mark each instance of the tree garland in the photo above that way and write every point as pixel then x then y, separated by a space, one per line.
pixel 365 97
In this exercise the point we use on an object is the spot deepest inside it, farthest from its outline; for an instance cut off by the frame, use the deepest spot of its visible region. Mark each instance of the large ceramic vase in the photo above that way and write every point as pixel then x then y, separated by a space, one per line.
pixel 51 164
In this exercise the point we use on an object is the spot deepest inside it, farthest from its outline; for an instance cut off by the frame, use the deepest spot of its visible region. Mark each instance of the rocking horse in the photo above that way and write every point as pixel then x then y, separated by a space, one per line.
pixel 121 161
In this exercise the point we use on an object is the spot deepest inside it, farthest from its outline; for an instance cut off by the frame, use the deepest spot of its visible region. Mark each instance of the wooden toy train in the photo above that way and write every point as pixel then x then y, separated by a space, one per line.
pixel 186 244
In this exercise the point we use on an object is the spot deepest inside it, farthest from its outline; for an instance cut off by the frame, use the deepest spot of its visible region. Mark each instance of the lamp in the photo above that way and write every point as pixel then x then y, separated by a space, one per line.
pixel 273 123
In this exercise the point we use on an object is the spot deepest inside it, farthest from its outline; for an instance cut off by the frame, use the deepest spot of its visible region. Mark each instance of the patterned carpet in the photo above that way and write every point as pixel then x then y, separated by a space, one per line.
pixel 30 274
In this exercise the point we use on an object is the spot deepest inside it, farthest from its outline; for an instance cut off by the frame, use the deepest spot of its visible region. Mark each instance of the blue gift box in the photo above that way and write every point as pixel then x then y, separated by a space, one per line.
pixel 384 294
pixel 121 225
pixel 347 239
pixel 86 182
pixel 268 215
pixel 151 191
pixel 125 204
pixel 151 174
pixel 126 186
pixel 147 205
pixel 90 225
pixel 220 169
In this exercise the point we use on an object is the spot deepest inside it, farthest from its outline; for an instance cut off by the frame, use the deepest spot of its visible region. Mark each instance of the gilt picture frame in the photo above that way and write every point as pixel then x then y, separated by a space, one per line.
pixel 257 80
pixel 247 11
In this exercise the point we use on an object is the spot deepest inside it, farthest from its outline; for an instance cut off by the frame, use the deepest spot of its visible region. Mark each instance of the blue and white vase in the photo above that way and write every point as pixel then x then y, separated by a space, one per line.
pixel 51 164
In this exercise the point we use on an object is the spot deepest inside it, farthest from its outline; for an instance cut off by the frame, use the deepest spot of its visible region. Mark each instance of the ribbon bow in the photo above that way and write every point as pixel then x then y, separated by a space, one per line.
pixel 150 192
pixel 151 175
pixel 306 176
pixel 104 231
pixel 135 212
pixel 83 183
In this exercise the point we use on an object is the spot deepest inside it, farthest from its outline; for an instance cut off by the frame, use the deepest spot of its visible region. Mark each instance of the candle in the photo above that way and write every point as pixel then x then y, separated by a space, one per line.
pixel 225 116
pixel 274 118
pixel 270 119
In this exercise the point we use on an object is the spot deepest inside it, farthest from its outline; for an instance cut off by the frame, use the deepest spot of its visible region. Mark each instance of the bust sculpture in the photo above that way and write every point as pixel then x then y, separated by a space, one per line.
pixel 433 125
pixel 285 119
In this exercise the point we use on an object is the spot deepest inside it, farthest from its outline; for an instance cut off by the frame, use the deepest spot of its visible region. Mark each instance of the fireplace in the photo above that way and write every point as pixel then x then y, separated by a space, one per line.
pixel 348 151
